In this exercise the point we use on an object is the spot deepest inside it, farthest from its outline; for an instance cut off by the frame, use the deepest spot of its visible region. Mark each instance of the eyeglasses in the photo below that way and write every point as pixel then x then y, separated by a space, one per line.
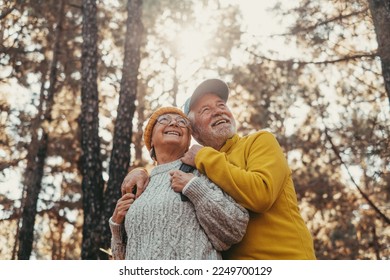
pixel 167 120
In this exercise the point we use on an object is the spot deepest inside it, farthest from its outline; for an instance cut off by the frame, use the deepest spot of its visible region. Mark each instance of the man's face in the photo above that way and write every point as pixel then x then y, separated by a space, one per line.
pixel 213 123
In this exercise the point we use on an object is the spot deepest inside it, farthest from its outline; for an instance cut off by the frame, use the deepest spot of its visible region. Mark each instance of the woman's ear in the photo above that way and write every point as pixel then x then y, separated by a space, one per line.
pixel 152 153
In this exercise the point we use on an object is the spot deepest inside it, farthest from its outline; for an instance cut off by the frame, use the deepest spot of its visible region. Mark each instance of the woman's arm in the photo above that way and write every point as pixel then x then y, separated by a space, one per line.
pixel 118 235
pixel 118 241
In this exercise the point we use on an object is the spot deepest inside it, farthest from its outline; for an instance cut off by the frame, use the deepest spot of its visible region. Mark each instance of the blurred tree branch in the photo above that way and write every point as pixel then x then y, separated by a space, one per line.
pixel 365 196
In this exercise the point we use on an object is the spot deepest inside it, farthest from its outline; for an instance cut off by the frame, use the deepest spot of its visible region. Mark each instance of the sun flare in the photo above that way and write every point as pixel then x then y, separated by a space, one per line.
pixel 192 44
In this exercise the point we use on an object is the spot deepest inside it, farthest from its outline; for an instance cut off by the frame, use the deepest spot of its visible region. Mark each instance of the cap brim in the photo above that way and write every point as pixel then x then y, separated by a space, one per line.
pixel 215 86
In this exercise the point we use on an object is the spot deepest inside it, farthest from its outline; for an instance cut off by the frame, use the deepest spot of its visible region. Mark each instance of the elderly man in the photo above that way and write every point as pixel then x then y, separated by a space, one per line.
pixel 253 170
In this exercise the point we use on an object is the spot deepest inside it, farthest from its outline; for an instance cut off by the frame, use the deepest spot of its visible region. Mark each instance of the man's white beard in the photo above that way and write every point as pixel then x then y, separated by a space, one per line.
pixel 215 138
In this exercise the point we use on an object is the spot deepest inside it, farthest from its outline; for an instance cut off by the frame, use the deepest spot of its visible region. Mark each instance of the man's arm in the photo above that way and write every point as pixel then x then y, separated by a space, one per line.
pixel 258 182
pixel 223 220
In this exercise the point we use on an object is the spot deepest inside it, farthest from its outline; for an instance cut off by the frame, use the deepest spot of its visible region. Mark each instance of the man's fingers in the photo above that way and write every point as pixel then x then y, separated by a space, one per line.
pixel 146 183
pixel 138 178
pixel 124 187
pixel 141 185
pixel 185 160
pixel 127 186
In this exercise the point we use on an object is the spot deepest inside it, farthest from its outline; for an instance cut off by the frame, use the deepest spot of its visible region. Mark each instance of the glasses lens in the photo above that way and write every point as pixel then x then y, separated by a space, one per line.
pixel 167 119
pixel 181 122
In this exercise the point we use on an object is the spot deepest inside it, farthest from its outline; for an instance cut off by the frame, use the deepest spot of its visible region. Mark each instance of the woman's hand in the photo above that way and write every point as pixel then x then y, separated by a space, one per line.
pixel 121 207
pixel 179 179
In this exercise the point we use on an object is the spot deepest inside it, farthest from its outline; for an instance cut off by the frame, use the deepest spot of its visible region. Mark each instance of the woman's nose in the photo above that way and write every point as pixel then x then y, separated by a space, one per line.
pixel 174 122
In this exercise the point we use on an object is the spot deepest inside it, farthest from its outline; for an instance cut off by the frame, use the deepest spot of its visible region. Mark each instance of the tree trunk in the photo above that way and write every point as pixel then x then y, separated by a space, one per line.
pixel 91 164
pixel 141 118
pixel 380 12
pixel 37 152
pixel 120 156
pixel 33 179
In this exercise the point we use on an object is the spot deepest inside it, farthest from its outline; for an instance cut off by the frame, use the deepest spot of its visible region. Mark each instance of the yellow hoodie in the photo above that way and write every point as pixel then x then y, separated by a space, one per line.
pixel 254 171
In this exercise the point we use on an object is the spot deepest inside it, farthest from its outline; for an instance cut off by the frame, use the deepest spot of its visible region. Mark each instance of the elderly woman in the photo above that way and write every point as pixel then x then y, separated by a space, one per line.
pixel 158 224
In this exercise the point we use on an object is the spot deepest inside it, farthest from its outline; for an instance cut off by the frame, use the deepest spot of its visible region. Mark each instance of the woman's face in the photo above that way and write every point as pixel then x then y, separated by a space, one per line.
pixel 171 130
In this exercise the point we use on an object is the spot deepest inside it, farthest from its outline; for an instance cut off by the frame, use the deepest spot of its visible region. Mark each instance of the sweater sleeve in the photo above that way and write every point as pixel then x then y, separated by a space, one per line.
pixel 118 241
pixel 254 173
pixel 223 220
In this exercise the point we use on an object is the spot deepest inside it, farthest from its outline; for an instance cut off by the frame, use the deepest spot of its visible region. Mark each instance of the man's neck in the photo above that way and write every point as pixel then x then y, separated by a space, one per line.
pixel 216 145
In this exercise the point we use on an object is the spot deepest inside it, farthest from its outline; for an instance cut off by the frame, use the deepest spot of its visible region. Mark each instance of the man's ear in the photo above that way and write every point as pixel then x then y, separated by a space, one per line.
pixel 195 134
pixel 189 139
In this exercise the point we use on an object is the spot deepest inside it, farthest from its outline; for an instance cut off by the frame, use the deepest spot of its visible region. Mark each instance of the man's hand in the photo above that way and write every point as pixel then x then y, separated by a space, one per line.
pixel 136 179
pixel 179 179
pixel 189 156
pixel 121 207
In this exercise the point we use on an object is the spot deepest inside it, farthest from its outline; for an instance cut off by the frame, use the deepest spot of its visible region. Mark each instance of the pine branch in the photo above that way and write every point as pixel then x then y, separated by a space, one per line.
pixel 6 12
pixel 365 196
pixel 330 61
pixel 298 29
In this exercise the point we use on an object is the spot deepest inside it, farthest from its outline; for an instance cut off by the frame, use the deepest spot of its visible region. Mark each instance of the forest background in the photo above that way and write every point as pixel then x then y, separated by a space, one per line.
pixel 78 79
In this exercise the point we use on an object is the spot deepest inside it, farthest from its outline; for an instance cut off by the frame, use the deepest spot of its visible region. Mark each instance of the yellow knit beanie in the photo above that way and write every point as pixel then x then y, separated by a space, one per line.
pixel 153 119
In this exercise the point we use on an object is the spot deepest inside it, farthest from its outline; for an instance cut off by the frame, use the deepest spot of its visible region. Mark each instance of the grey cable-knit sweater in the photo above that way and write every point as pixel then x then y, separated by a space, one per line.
pixel 160 226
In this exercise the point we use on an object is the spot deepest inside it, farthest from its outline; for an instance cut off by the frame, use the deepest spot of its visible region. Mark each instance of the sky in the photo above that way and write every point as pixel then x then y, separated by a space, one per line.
pixel 258 22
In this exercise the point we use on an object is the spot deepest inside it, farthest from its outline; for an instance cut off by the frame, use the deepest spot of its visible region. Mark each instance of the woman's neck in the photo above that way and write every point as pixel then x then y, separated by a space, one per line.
pixel 166 156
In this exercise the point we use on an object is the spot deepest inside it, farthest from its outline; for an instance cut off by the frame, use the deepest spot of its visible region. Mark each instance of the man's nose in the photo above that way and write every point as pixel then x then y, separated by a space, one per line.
pixel 217 111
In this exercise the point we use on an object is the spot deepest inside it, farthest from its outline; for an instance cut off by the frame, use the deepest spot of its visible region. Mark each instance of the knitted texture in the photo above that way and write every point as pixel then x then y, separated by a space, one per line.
pixel 161 226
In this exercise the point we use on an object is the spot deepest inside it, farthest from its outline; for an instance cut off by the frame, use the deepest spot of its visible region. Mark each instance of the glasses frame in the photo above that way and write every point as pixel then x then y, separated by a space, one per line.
pixel 167 120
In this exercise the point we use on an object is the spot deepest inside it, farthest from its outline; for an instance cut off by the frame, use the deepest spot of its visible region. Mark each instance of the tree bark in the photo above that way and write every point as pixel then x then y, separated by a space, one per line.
pixel 120 156
pixel 380 13
pixel 33 179
pixel 141 118
pixel 37 152
pixel 91 164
